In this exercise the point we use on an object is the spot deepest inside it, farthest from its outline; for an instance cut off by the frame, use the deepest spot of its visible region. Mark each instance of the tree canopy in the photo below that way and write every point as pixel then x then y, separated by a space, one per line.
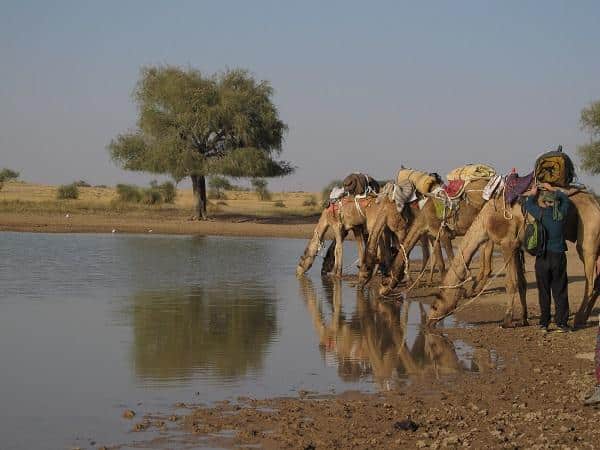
pixel 191 124
pixel 590 153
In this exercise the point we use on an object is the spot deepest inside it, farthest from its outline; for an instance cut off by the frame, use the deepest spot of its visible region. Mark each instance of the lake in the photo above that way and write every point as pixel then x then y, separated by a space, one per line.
pixel 91 325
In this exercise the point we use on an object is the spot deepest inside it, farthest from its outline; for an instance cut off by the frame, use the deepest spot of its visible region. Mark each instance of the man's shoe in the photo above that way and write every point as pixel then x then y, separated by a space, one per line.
pixel 563 329
pixel 593 399
pixel 543 328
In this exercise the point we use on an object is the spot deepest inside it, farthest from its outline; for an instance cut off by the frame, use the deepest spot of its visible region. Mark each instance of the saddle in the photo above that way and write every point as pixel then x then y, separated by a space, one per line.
pixel 454 188
pixel 514 186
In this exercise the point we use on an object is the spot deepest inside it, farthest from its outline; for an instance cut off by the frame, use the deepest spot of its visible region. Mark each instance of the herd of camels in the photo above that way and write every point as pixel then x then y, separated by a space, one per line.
pixel 380 224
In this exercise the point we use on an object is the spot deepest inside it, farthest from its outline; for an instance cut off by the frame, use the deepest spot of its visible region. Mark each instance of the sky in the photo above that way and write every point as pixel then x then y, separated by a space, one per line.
pixel 363 86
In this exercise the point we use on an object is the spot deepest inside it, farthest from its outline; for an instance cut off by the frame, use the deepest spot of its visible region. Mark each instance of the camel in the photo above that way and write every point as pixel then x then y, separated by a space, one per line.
pixel 359 215
pixel 427 222
pixel 374 340
pixel 504 226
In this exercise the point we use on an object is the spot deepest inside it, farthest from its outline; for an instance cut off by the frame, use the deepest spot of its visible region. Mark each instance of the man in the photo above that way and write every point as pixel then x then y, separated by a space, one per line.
pixel 550 208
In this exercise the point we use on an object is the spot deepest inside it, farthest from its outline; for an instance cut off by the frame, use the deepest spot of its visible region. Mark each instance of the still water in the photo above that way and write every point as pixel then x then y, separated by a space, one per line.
pixel 93 324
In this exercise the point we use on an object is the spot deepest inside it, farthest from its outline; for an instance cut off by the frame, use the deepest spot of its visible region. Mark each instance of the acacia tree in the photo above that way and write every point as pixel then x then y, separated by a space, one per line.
pixel 192 125
pixel 590 153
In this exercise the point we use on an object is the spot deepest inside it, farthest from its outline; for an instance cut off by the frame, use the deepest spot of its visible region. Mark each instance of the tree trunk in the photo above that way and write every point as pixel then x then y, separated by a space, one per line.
pixel 199 188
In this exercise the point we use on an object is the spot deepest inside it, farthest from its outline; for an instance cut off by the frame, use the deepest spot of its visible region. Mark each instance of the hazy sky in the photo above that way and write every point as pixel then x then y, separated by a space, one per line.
pixel 362 85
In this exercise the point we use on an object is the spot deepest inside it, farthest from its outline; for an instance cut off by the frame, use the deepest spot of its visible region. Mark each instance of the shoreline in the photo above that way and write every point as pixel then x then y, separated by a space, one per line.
pixel 294 227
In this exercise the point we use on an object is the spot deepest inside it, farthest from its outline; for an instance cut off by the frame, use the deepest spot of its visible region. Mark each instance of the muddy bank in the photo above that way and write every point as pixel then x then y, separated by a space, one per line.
pixel 531 399
pixel 222 225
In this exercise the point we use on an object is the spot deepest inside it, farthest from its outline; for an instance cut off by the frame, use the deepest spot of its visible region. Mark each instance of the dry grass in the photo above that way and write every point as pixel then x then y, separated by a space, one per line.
pixel 20 197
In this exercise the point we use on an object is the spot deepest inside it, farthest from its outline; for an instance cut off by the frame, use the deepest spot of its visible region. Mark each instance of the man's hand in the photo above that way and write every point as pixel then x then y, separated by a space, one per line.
pixel 532 191
pixel 548 187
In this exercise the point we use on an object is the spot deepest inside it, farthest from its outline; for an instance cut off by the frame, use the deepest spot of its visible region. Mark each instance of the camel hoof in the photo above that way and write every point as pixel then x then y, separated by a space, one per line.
pixel 507 324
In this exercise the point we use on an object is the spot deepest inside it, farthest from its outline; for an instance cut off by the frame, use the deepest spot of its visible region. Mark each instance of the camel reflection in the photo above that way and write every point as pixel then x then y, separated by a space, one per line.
pixel 201 329
pixel 374 341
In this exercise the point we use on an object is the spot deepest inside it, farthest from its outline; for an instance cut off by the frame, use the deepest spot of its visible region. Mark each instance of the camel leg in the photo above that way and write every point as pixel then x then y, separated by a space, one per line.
pixel 587 304
pixel 339 251
pixel 510 257
pixel 397 269
pixel 366 270
pixel 522 285
pixel 328 259
pixel 361 241
pixel 485 270
pixel 306 260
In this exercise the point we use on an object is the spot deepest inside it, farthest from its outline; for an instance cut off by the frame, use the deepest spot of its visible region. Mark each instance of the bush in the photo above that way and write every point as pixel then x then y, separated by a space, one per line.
pixel 129 193
pixel 152 196
pixel 67 191
pixel 101 186
pixel 216 194
pixel 168 192
pixel 82 183
pixel 279 204
pixel 310 201
pixel 260 187
pixel 217 185
pixel 7 174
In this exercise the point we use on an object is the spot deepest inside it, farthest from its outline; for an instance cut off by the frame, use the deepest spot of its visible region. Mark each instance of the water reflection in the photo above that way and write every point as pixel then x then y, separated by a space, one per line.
pixel 225 330
pixel 375 340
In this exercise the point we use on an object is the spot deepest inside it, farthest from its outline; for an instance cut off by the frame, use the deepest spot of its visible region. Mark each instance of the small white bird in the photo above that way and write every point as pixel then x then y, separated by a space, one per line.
pixel 114 231
pixel 149 231
pixel 68 215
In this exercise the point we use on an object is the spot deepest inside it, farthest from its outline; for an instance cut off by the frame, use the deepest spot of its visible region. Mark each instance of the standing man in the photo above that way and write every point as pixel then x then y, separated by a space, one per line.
pixel 550 208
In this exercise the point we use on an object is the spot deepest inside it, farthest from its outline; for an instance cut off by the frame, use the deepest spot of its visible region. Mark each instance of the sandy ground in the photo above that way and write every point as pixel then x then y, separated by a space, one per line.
pixel 222 225
pixel 532 399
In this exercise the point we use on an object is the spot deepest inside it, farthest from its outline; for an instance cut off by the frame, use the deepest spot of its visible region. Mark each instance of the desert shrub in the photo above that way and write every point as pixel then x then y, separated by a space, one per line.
pixel 310 201
pixel 327 189
pixel 152 196
pixel 279 204
pixel 7 174
pixel 168 192
pixel 67 191
pixel 129 193
pixel 82 183
pixel 260 187
pixel 217 185
pixel 101 186
pixel 216 194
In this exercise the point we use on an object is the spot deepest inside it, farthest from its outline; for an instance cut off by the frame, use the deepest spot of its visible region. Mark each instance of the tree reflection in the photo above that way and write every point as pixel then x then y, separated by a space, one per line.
pixel 224 330
pixel 374 340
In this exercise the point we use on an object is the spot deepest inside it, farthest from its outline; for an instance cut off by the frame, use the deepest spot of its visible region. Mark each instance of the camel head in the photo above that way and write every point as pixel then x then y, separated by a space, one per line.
pixel 443 304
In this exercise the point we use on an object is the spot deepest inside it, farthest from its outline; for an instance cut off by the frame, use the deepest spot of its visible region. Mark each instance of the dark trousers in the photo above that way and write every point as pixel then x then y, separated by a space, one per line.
pixel 551 276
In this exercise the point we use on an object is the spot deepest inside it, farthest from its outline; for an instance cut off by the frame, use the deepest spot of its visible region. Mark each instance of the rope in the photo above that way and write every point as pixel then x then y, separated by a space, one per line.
pixel 468 302
pixel 471 300
pixel 424 269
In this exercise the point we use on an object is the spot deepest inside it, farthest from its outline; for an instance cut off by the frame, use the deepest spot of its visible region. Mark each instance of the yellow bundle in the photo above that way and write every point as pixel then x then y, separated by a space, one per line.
pixel 472 172
pixel 422 180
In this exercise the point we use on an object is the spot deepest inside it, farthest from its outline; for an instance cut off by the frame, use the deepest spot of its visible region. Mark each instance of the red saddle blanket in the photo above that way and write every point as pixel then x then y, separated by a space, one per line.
pixel 454 188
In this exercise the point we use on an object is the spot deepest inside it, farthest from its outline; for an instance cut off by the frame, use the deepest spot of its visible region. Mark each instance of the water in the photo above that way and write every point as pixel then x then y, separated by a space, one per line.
pixel 93 324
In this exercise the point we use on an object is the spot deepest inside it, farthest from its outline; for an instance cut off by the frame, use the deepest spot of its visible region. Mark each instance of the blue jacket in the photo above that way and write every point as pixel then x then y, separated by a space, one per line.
pixel 555 229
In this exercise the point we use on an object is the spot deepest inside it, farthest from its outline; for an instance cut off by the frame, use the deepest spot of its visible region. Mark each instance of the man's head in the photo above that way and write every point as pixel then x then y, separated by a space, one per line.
pixel 546 199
